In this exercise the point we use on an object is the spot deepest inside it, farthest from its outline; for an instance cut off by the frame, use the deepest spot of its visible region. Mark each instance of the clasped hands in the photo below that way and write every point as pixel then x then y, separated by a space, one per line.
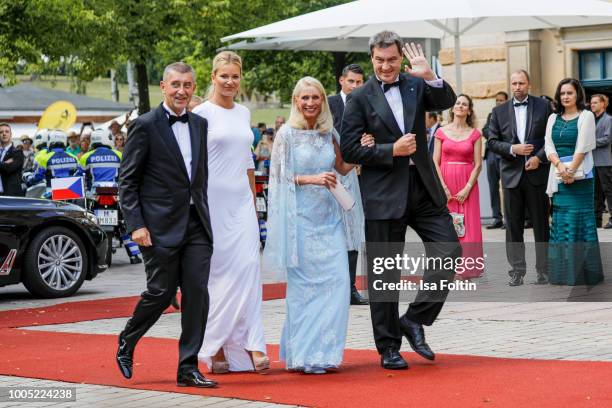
pixel 461 195
pixel 525 150
pixel 567 174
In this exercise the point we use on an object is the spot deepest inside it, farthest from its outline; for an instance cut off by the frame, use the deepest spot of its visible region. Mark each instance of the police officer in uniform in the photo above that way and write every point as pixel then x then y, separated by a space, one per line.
pixel 55 163
pixel 101 166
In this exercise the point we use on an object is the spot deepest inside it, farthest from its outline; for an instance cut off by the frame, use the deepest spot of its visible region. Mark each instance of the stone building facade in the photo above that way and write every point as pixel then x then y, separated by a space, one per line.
pixel 548 55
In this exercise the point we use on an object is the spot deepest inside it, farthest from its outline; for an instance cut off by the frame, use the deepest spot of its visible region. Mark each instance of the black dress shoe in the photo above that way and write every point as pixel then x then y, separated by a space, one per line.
pixel 542 279
pixel 125 358
pixel 495 225
pixel 135 260
pixel 356 298
pixel 516 280
pixel 416 337
pixel 503 226
pixel 391 359
pixel 608 225
pixel 174 302
pixel 194 379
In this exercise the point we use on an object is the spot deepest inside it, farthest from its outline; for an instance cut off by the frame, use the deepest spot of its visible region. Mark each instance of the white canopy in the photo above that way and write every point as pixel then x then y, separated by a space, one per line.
pixel 412 19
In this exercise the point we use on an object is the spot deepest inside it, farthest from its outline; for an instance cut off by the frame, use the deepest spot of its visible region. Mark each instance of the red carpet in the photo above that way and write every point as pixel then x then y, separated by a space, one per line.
pixel 71 312
pixel 452 381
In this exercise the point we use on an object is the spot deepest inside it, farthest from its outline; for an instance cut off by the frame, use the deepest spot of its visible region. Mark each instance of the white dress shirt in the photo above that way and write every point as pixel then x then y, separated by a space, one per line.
pixel 181 133
pixel 520 113
pixel 343 96
pixel 394 98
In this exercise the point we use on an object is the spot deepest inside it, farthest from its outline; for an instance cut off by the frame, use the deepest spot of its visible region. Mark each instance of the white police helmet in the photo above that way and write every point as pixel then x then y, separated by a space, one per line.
pixel 57 137
pixel 102 137
pixel 41 138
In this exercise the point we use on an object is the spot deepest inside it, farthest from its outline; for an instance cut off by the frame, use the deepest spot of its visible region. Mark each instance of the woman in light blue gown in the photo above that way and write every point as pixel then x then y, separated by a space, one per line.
pixel 308 234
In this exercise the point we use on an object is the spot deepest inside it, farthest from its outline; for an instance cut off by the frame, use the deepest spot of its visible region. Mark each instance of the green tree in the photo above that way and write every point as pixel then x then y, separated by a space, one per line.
pixel 47 33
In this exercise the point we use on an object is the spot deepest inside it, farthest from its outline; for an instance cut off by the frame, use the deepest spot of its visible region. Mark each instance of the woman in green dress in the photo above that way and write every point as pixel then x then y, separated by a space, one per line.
pixel 573 253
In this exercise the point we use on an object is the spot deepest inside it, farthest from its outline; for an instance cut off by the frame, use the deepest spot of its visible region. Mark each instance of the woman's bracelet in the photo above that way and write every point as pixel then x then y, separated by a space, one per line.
pixel 297 180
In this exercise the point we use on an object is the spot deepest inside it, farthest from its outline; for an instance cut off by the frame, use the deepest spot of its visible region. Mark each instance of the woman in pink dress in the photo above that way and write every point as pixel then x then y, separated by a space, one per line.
pixel 458 160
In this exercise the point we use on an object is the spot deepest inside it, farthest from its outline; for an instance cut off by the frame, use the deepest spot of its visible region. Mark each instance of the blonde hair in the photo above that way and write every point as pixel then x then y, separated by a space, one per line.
pixel 325 122
pixel 221 59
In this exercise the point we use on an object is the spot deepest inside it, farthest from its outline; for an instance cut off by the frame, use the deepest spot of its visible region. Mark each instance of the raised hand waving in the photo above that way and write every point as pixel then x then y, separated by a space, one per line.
pixel 418 62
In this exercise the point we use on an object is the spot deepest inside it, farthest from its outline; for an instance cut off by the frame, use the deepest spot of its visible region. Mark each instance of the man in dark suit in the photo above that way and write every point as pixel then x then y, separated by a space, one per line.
pixel 11 164
pixel 602 158
pixel 351 78
pixel 162 186
pixel 493 163
pixel 399 184
pixel 432 125
pixel 516 133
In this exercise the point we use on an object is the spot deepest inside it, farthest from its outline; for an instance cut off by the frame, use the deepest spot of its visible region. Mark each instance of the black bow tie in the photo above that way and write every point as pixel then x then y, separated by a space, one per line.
pixel 524 103
pixel 173 119
pixel 386 87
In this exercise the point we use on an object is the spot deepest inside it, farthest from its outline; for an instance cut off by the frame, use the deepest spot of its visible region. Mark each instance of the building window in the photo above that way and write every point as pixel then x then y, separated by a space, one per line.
pixel 595 65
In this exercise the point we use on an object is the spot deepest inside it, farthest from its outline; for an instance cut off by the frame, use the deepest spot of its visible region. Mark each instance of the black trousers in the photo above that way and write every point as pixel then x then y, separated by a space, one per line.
pixel 432 224
pixel 493 177
pixel 352 261
pixel 526 196
pixel 187 266
pixel 603 190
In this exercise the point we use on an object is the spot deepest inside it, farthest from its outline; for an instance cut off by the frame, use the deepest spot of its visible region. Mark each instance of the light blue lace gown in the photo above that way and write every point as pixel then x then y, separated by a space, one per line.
pixel 307 241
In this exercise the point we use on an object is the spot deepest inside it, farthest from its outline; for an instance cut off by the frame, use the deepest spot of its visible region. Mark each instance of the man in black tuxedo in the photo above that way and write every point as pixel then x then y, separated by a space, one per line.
pixel 516 133
pixel 351 78
pixel 11 164
pixel 493 165
pixel 162 186
pixel 399 183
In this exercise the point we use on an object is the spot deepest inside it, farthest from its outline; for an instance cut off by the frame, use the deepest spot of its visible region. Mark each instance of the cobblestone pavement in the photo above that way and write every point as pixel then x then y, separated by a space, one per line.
pixel 560 330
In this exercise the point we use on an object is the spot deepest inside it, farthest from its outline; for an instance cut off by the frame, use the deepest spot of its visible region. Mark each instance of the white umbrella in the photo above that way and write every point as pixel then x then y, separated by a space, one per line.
pixel 436 19
pixel 352 44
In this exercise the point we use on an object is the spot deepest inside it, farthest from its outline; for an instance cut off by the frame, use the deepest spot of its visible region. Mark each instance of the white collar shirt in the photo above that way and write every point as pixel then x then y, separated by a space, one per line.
pixel 181 134
pixel 343 96
pixel 394 99
pixel 520 113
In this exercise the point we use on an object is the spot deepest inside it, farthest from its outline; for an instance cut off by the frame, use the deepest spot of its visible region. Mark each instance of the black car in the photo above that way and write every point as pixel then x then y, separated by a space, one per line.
pixel 50 246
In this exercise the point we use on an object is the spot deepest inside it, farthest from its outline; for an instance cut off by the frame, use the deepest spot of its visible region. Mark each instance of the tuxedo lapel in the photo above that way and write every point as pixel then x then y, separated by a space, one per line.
pixel 512 117
pixel 194 135
pixel 530 104
pixel 169 139
pixel 379 103
pixel 407 89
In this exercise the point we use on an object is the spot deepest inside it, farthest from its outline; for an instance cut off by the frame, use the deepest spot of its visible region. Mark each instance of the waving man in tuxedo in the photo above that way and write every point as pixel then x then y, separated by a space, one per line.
pixel 399 184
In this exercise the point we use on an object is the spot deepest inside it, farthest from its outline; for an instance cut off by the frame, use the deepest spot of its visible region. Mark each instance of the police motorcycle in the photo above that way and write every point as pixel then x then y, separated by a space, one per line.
pixel 101 167
pixel 54 163
pixel 41 143
pixel 261 204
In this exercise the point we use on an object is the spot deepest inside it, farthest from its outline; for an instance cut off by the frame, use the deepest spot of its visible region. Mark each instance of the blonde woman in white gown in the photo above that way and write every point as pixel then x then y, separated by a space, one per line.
pixel 234 339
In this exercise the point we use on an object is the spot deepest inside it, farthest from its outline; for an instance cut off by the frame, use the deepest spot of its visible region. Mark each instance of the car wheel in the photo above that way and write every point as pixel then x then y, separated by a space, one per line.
pixel 55 263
